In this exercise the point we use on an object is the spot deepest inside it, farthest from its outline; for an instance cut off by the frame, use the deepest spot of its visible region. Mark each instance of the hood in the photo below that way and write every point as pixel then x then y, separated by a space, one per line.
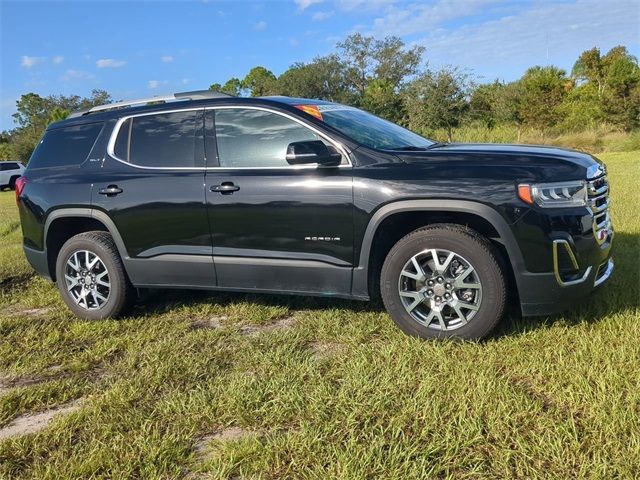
pixel 562 161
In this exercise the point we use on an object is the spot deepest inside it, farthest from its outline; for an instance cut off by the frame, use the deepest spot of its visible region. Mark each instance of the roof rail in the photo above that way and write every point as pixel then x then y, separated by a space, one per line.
pixel 180 96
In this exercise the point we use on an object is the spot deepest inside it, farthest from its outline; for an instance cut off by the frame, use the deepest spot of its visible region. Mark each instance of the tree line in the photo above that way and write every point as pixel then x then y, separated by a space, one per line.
pixel 389 79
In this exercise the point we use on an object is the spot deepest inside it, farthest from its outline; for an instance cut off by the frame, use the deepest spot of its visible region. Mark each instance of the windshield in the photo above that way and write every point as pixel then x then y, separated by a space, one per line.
pixel 367 129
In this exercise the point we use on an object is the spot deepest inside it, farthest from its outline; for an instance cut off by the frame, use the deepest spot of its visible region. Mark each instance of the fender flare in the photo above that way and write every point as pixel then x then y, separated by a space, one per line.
pixel 87 213
pixel 360 282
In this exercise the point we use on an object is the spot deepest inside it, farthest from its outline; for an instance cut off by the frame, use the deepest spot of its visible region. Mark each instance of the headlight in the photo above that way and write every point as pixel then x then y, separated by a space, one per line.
pixel 554 195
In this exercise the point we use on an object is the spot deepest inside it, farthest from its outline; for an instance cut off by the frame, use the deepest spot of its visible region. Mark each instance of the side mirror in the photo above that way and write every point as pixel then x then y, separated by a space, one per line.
pixel 312 151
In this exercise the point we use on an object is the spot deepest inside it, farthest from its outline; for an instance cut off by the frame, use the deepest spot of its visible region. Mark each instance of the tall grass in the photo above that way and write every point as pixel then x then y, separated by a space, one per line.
pixel 594 140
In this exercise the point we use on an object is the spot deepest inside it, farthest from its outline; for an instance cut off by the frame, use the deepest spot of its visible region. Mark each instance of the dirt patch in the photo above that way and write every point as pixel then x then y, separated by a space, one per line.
pixel 225 435
pixel 284 323
pixel 12 283
pixel 213 322
pixel 34 422
pixel 8 385
pixel 25 312
pixel 32 312
pixel 55 372
pixel 325 350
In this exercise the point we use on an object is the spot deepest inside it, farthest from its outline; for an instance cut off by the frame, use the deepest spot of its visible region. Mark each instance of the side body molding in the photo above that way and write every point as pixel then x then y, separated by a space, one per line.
pixel 360 286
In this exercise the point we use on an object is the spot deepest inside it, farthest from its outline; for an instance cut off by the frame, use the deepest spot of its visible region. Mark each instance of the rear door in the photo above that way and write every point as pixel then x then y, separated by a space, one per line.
pixel 151 185
pixel 275 226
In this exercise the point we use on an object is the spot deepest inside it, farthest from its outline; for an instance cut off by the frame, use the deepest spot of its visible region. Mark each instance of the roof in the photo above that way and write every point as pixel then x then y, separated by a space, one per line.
pixel 194 99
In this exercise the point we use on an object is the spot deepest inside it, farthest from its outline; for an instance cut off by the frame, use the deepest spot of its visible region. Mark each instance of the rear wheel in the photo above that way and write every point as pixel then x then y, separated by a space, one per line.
pixel 443 281
pixel 91 278
pixel 12 182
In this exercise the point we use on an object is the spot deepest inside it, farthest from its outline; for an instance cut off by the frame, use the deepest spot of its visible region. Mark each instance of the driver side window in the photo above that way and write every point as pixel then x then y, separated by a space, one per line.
pixel 256 138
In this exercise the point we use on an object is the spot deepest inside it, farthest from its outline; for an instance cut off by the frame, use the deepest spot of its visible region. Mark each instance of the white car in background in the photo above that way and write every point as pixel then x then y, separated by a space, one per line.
pixel 10 171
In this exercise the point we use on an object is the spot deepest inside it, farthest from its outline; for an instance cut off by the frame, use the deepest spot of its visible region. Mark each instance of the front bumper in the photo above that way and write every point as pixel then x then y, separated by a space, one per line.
pixel 546 297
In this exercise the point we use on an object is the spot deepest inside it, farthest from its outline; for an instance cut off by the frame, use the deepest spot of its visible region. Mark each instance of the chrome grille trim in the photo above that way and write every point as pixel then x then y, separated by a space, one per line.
pixel 598 202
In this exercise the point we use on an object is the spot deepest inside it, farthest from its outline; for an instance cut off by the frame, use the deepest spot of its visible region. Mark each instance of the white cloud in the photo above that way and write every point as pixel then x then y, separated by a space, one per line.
pixel 304 4
pixel 422 17
pixel 184 81
pixel 110 63
pixel 261 25
pixel 166 58
pixel 544 34
pixel 368 5
pixel 76 75
pixel 58 59
pixel 153 84
pixel 320 16
pixel 28 62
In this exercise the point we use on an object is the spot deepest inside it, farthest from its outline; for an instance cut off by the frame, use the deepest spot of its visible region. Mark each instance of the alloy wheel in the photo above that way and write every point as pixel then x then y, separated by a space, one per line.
pixel 440 289
pixel 87 279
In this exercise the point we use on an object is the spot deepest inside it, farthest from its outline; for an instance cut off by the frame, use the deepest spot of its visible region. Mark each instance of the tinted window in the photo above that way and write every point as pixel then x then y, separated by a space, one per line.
pixel 165 140
pixel 122 142
pixel 255 138
pixel 65 146
pixel 8 166
pixel 370 130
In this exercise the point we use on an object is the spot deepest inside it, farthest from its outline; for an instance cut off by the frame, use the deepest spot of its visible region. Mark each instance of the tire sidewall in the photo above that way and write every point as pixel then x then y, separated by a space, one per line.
pixel 114 300
pixel 463 244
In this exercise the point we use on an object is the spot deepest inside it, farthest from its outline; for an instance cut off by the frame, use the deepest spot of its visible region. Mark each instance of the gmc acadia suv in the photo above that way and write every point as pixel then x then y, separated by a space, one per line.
pixel 200 190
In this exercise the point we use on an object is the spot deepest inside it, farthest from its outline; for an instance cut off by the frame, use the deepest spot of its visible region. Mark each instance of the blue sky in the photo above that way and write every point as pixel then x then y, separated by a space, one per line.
pixel 141 48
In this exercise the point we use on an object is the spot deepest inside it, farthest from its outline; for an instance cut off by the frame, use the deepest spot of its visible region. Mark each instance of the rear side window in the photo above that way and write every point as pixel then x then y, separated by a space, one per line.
pixel 65 146
pixel 4 166
pixel 163 140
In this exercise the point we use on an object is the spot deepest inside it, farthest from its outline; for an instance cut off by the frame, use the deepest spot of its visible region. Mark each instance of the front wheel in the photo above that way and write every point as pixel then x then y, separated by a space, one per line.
pixel 444 281
pixel 91 278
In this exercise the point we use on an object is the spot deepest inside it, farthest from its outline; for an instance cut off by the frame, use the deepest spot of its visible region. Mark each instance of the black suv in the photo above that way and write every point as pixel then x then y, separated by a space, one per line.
pixel 287 195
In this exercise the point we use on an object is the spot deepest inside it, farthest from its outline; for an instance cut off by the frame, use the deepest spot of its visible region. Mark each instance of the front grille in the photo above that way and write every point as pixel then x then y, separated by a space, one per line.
pixel 598 201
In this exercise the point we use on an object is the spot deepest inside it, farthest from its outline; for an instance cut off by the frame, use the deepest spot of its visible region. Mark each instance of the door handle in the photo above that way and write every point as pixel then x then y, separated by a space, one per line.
pixel 225 189
pixel 110 191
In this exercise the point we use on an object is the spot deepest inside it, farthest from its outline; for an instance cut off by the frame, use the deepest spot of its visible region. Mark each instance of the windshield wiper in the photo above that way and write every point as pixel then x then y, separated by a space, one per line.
pixel 436 145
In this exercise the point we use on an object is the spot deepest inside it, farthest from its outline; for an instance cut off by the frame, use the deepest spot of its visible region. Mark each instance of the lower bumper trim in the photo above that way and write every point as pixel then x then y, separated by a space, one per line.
pixel 606 275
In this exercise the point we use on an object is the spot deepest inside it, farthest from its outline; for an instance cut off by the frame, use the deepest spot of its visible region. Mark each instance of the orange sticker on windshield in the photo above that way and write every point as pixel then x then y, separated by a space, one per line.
pixel 311 110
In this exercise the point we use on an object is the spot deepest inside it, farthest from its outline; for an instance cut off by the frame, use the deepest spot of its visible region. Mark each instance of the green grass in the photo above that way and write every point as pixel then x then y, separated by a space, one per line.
pixel 594 140
pixel 554 397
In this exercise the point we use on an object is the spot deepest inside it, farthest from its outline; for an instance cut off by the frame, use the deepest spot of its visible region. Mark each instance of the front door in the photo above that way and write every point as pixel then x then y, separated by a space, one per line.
pixel 151 186
pixel 275 227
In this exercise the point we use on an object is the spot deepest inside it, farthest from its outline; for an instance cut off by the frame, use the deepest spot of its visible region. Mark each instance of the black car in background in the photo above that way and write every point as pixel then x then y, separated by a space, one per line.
pixel 200 190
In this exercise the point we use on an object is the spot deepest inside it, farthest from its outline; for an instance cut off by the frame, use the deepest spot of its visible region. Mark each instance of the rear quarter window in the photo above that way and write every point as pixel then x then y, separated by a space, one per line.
pixel 5 166
pixel 65 146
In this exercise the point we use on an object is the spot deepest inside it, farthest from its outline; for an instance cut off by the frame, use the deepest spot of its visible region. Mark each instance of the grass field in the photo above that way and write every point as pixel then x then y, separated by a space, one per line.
pixel 236 386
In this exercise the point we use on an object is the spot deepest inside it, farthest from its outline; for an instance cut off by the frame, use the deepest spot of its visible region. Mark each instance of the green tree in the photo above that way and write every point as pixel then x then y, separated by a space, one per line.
pixel 233 86
pixel 543 90
pixel 6 152
pixel 381 99
pixel 323 78
pixel 260 81
pixel 616 79
pixel 34 113
pixel 484 104
pixel 58 114
pixel 621 98
pixel 438 99
pixel 367 59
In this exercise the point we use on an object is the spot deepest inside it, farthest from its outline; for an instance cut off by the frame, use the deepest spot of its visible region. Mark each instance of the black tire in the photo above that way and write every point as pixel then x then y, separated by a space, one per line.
pixel 12 182
pixel 474 248
pixel 121 292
